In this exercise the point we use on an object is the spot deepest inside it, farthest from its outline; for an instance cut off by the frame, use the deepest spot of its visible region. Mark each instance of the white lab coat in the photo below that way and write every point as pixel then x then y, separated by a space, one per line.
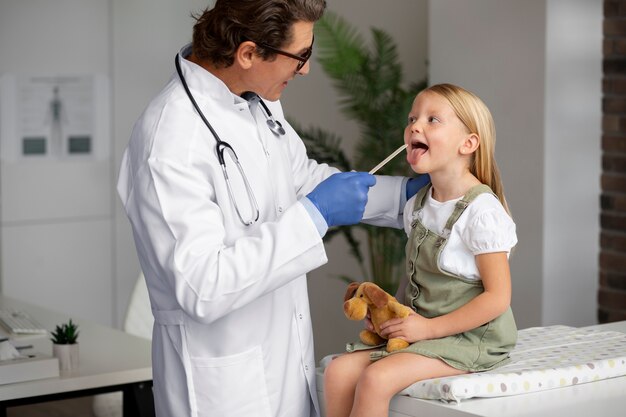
pixel 232 334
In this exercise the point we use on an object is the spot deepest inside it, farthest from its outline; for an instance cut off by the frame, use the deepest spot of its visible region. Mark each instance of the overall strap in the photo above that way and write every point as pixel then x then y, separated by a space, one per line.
pixel 462 204
pixel 421 197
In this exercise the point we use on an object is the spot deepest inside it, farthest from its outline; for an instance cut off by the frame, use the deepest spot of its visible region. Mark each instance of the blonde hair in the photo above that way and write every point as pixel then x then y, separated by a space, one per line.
pixel 476 117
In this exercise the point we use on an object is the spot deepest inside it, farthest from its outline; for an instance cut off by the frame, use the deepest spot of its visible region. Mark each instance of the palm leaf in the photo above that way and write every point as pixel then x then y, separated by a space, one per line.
pixel 323 146
pixel 339 47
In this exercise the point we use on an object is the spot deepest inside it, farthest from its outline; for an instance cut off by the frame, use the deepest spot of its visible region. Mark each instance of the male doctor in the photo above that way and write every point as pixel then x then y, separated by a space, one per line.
pixel 225 258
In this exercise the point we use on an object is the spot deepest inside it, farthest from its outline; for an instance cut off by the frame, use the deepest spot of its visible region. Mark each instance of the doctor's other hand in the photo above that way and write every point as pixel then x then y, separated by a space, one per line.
pixel 341 198
pixel 413 185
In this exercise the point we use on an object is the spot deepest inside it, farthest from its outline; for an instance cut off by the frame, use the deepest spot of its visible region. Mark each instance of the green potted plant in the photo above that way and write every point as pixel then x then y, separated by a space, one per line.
pixel 370 84
pixel 65 345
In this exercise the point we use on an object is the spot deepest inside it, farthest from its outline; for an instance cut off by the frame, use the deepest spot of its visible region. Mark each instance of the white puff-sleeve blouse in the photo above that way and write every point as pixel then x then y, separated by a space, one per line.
pixel 484 227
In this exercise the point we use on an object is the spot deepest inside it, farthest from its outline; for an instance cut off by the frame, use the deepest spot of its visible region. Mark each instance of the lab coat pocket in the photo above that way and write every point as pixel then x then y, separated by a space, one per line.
pixel 231 385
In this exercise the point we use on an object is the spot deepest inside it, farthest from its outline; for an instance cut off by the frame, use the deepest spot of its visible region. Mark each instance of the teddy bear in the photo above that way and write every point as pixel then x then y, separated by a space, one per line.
pixel 367 296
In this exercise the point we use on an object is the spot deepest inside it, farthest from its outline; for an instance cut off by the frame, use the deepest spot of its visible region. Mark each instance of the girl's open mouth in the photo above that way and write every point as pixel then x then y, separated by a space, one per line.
pixel 418 145
pixel 415 150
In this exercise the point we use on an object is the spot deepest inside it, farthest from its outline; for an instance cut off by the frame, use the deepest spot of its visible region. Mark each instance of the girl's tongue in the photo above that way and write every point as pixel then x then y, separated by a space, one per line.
pixel 415 151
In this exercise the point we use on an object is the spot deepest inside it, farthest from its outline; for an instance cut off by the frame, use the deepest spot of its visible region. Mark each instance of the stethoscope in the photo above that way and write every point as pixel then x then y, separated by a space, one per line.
pixel 221 146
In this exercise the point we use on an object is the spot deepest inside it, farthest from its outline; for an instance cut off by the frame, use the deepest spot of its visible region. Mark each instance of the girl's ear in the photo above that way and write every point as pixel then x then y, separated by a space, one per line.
pixel 245 54
pixel 470 144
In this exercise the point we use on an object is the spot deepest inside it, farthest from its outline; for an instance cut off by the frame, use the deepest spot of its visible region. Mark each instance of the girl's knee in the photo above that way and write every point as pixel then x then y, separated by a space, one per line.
pixel 344 370
pixel 334 371
pixel 374 381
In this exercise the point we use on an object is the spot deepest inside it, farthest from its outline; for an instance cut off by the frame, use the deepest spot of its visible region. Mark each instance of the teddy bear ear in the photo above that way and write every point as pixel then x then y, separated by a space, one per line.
pixel 376 295
pixel 351 291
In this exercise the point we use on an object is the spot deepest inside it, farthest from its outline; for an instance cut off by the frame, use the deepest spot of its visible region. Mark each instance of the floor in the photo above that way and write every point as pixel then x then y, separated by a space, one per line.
pixel 78 407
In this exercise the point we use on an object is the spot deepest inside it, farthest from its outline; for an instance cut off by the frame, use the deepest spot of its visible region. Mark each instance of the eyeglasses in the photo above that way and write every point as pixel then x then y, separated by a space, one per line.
pixel 301 58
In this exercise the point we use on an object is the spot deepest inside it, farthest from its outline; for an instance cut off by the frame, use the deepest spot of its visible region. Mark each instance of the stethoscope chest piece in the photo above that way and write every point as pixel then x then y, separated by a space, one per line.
pixel 274 125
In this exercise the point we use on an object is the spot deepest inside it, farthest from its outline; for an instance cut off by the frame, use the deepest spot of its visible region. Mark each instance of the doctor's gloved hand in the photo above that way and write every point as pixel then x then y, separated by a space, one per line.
pixel 341 198
pixel 413 185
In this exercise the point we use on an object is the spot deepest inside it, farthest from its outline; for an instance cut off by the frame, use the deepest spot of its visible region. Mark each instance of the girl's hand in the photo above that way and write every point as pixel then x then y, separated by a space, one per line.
pixel 368 323
pixel 410 329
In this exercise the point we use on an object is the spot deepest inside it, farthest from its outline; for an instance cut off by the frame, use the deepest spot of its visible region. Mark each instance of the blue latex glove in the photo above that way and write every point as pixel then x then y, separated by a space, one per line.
pixel 413 185
pixel 341 198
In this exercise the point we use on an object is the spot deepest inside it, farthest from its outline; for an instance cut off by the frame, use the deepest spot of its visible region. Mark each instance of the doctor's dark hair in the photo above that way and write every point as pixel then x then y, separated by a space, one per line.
pixel 219 31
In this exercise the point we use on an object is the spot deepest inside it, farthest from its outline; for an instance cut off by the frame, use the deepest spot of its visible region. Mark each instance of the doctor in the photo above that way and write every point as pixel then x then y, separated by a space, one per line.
pixel 228 215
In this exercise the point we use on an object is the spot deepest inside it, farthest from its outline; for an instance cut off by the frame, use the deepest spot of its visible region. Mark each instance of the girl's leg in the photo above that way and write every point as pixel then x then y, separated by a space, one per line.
pixel 340 378
pixel 380 381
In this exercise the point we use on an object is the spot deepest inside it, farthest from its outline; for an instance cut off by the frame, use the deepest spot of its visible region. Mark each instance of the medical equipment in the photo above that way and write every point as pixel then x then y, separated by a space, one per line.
pixel 387 159
pixel 275 126
pixel 221 147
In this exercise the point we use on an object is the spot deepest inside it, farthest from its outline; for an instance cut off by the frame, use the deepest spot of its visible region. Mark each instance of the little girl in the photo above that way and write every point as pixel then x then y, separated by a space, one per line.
pixel 458 280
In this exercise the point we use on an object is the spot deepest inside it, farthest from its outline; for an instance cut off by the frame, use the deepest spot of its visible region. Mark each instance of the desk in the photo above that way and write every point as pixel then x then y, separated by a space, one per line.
pixel 601 398
pixel 110 360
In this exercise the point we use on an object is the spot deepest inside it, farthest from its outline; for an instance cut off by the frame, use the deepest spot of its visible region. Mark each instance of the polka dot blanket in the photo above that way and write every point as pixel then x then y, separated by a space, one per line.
pixel 544 358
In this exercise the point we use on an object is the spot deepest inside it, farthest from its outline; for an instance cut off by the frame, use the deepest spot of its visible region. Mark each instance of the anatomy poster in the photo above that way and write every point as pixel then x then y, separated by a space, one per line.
pixel 53 117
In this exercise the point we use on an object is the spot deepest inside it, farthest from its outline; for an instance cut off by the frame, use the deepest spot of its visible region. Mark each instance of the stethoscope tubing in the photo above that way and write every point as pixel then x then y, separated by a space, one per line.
pixel 220 147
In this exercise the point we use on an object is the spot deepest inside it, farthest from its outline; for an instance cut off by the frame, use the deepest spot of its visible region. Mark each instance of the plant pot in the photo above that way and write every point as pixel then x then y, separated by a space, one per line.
pixel 67 355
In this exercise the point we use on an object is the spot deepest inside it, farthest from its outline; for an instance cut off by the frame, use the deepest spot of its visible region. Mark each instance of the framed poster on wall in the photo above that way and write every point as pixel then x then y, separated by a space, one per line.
pixel 53 117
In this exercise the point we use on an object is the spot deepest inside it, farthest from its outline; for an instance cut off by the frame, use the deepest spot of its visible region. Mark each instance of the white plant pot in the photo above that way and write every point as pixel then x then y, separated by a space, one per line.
pixel 67 355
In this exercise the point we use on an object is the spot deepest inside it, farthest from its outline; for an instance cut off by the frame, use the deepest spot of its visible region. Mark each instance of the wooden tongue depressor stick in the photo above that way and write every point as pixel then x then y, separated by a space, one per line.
pixel 389 158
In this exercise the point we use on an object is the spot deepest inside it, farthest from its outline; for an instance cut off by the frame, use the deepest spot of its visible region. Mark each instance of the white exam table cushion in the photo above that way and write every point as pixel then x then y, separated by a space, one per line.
pixel 544 358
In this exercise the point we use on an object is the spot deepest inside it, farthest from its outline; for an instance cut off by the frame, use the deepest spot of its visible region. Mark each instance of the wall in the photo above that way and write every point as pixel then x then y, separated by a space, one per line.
pixel 536 65
pixel 612 295
pixel 572 130
pixel 55 215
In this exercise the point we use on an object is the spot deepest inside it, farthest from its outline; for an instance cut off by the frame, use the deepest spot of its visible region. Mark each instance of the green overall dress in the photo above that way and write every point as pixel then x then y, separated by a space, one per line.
pixel 432 292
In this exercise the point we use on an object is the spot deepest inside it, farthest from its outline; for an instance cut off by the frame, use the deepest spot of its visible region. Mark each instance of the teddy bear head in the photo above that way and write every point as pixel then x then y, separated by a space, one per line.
pixel 361 296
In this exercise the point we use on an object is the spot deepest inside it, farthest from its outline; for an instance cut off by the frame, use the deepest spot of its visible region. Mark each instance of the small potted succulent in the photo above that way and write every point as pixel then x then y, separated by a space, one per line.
pixel 65 345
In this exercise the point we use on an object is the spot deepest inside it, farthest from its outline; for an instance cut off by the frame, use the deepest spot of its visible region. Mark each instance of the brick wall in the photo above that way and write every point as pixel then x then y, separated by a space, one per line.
pixel 612 292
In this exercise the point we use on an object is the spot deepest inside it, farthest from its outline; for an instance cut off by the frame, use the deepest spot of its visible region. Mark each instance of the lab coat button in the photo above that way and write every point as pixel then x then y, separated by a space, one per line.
pixel 300 316
pixel 306 367
pixel 280 209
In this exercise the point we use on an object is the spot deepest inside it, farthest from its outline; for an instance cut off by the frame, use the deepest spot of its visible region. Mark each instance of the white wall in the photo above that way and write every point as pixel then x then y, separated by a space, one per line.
pixel 536 64
pixel 55 215
pixel 572 164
